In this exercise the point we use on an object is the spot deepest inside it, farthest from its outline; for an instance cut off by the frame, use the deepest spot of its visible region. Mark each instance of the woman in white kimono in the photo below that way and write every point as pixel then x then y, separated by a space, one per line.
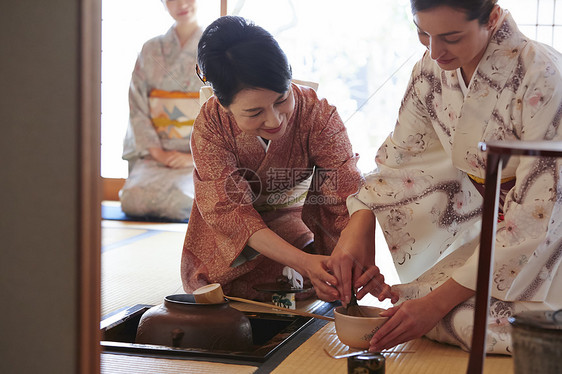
pixel 163 101
pixel 479 80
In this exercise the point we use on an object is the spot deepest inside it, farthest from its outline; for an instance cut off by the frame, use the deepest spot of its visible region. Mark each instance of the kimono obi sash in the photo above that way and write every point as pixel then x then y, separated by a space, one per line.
pixel 506 184
pixel 482 181
pixel 173 113
pixel 281 199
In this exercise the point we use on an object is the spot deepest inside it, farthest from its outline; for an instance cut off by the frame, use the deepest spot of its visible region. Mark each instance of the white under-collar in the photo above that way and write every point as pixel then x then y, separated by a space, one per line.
pixel 464 88
pixel 264 144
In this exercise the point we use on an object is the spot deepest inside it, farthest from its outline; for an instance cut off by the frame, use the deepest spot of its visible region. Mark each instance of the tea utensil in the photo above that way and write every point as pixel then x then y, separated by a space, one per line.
pixel 358 353
pixel 344 355
pixel 353 308
pixel 213 293
pixel 285 310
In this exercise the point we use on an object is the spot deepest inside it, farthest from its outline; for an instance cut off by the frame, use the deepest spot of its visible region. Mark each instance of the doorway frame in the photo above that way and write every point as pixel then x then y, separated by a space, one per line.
pixel 93 188
pixel 89 194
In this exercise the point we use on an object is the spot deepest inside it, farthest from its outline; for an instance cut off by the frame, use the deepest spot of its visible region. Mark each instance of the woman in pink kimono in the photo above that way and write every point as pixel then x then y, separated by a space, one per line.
pixel 273 169
pixel 479 80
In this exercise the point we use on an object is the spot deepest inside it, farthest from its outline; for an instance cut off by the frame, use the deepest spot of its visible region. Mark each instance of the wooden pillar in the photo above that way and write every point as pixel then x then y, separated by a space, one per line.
pixel 89 194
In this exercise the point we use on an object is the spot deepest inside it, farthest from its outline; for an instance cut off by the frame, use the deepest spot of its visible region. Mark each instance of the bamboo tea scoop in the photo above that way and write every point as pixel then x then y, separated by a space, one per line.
pixel 353 308
pixel 212 293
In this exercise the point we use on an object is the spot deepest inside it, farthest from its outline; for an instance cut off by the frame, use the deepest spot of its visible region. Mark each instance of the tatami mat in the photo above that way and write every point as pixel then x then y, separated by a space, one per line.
pixel 121 364
pixel 140 265
pixel 160 226
pixel 115 236
pixel 421 356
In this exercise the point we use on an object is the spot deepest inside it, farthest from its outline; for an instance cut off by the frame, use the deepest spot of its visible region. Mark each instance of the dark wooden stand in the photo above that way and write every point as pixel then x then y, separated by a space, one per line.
pixel 498 156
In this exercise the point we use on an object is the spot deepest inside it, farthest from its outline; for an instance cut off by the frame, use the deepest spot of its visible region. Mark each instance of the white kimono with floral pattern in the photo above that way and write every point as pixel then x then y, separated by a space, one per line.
pixel 163 64
pixel 430 210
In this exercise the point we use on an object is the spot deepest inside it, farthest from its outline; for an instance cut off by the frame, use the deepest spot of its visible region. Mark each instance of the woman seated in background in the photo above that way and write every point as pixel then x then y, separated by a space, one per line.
pixel 163 101
pixel 273 169
pixel 479 80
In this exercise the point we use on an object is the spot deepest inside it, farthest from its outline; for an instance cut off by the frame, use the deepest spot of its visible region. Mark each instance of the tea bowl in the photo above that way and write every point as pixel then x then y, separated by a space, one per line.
pixel 356 332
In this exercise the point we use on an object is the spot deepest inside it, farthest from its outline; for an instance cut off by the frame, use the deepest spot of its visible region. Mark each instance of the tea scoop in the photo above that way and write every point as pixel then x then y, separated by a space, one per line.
pixel 353 308
pixel 213 293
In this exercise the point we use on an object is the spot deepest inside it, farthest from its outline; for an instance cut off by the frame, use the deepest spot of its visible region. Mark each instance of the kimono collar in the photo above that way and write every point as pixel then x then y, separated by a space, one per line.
pixel 464 87
pixel 170 37
pixel 502 52
pixel 171 40
pixel 495 73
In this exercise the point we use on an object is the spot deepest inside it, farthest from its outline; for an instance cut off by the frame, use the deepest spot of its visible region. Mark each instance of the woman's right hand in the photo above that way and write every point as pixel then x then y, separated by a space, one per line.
pixel 354 252
pixel 172 159
pixel 311 266
pixel 353 260
pixel 179 160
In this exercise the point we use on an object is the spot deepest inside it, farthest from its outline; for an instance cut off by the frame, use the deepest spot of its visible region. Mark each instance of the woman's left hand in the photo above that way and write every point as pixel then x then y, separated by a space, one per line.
pixel 409 320
pixel 414 318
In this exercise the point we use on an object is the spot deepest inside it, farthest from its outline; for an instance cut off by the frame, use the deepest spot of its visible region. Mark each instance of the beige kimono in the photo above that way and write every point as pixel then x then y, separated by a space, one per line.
pixel 163 101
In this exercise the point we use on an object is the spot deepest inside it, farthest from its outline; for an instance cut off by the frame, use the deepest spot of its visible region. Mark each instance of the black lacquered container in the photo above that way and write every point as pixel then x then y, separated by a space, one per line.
pixel 537 342
pixel 367 363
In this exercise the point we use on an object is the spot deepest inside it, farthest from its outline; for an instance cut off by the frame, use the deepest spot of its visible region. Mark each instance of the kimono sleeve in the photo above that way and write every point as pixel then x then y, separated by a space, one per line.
pixel 412 145
pixel 415 187
pixel 336 176
pixel 222 193
pixel 140 132
pixel 528 248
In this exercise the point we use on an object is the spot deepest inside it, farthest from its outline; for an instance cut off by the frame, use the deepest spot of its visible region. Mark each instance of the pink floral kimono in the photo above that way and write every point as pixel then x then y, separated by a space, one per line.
pixel 297 186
